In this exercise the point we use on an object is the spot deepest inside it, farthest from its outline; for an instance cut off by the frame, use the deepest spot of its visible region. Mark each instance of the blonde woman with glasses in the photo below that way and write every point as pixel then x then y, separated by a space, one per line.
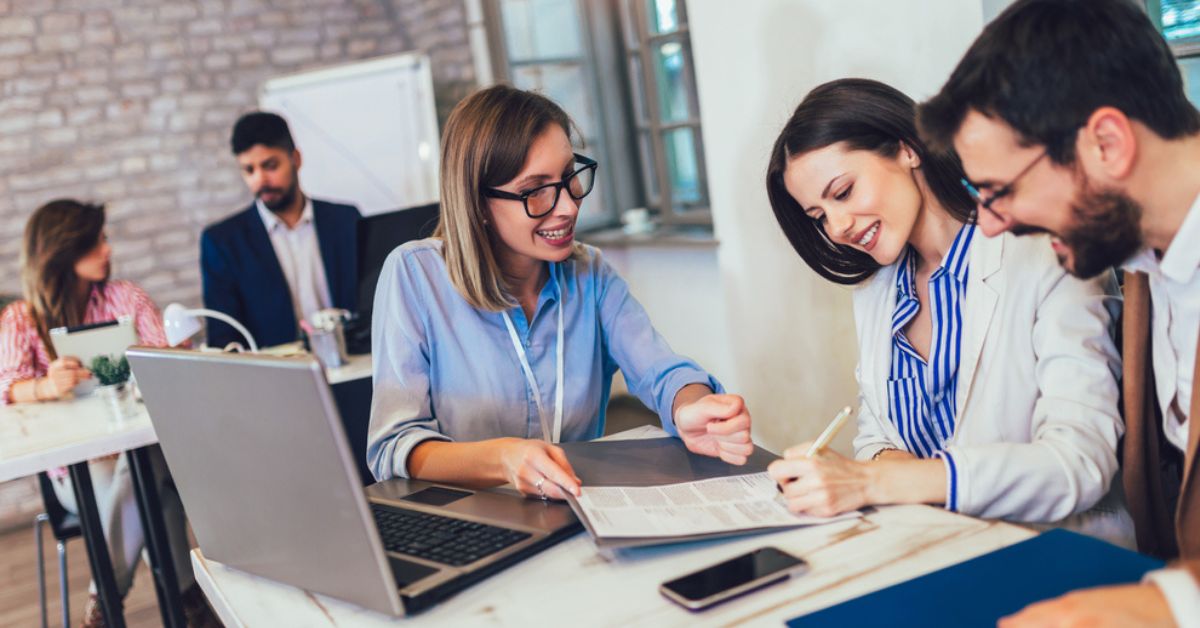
pixel 499 336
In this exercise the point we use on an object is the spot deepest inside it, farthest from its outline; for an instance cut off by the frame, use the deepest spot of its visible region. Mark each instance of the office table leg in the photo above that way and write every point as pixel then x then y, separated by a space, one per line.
pixel 158 545
pixel 93 537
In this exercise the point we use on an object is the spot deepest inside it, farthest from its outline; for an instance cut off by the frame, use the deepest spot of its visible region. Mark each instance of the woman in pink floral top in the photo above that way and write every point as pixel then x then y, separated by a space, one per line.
pixel 25 359
pixel 65 266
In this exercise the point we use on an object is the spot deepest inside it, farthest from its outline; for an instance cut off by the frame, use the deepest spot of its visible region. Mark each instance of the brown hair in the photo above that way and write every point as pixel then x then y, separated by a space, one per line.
pixel 484 144
pixel 57 235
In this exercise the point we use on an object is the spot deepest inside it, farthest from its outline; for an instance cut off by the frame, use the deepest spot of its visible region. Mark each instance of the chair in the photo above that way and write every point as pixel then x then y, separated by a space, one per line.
pixel 353 399
pixel 64 526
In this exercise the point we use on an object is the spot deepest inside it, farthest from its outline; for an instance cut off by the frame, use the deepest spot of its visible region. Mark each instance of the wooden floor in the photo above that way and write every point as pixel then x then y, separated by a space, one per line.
pixel 19 590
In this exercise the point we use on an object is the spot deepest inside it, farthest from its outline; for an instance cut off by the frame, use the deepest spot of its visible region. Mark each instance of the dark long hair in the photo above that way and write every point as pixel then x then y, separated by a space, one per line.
pixel 57 235
pixel 866 115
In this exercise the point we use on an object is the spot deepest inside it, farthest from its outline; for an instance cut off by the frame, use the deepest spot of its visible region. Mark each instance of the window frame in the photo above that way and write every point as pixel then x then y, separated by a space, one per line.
pixel 645 89
pixel 627 173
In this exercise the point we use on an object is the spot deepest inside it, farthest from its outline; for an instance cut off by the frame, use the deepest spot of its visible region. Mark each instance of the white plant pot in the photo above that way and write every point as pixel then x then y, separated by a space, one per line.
pixel 120 401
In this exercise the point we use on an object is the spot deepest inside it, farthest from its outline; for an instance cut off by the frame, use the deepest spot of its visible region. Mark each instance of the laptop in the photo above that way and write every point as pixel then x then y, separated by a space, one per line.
pixel 260 458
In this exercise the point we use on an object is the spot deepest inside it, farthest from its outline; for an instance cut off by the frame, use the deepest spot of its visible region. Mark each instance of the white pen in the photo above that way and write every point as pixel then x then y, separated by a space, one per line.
pixel 834 427
pixel 821 443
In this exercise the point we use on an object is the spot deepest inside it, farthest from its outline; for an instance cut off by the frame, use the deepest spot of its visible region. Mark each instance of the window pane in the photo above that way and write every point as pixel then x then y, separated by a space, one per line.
pixel 662 16
pixel 565 84
pixel 682 168
pixel 541 29
pixel 672 88
pixel 1180 19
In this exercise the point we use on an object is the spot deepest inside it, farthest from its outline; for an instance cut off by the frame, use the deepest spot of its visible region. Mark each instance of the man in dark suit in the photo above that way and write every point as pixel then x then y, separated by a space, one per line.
pixel 283 257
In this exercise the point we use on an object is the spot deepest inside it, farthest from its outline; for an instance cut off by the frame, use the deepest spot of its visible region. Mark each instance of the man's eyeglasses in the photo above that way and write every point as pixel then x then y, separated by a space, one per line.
pixel 1003 191
pixel 541 200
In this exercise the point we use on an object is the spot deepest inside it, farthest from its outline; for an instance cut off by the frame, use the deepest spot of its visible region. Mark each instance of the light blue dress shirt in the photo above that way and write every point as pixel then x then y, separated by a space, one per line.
pixel 446 370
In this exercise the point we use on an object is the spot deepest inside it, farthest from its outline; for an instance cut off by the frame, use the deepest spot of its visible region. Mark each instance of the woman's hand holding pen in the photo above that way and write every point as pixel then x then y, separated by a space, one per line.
pixel 537 468
pixel 824 485
pixel 715 425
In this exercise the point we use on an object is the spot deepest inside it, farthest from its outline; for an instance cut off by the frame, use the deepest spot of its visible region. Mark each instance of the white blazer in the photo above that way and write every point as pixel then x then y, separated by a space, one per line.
pixel 1037 419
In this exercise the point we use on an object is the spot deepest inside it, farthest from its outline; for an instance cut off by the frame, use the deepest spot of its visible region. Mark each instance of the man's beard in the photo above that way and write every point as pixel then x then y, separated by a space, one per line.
pixel 1104 232
pixel 285 200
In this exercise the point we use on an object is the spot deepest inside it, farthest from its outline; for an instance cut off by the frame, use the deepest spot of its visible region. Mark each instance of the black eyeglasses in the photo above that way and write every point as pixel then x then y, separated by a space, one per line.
pixel 1004 190
pixel 541 200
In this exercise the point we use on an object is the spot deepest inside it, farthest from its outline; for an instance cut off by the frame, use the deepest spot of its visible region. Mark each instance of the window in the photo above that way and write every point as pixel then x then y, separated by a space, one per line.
pixel 605 63
pixel 1179 21
pixel 667 116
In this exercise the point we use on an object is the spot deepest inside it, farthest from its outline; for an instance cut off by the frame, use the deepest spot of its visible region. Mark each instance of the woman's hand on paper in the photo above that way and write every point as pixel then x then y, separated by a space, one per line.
pixel 537 468
pixel 823 486
pixel 716 425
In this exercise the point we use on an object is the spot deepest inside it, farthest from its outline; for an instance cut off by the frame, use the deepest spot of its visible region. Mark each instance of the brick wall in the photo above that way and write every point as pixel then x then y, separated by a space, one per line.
pixel 130 102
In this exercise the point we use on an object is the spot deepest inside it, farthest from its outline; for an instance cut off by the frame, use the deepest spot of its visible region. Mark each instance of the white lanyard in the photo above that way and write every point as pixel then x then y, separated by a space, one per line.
pixel 547 434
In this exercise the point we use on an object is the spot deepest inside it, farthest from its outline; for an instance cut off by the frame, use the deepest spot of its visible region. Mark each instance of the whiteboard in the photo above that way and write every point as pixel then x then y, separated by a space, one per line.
pixel 367 131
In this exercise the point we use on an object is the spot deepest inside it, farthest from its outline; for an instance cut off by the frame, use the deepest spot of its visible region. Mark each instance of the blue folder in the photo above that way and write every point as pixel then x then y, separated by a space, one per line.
pixel 980 591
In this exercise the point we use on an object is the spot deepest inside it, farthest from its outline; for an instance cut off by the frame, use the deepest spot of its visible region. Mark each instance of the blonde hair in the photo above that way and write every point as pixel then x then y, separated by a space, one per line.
pixel 57 235
pixel 484 144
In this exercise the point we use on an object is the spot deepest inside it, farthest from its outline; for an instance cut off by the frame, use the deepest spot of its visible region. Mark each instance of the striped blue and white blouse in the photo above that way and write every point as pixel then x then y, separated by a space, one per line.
pixel 922 394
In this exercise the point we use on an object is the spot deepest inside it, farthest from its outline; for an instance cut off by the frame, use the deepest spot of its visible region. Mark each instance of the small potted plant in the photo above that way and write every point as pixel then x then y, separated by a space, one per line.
pixel 112 377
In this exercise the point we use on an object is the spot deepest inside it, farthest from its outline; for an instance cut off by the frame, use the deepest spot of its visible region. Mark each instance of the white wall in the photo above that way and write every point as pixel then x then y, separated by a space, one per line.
pixel 680 288
pixel 992 8
pixel 790 335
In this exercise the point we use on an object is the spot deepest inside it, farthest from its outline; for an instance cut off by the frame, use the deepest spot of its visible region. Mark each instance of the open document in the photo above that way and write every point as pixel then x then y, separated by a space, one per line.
pixel 740 502
pixel 651 491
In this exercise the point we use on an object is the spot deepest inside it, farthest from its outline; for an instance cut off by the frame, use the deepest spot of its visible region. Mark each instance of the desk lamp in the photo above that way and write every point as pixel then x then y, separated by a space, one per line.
pixel 181 323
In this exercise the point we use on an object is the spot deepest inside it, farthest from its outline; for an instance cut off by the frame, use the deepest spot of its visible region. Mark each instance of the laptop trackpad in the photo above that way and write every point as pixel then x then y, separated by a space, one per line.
pixel 406 572
pixel 436 496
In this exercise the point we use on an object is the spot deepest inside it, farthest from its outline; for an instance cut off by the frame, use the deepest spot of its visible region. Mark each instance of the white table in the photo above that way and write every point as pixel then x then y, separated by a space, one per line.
pixel 37 437
pixel 357 367
pixel 572 583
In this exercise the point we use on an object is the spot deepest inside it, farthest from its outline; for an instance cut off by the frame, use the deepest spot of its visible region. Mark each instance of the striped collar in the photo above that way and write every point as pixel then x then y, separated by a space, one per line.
pixel 955 263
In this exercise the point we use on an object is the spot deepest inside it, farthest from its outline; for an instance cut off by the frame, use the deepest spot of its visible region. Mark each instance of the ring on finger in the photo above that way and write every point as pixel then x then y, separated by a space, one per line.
pixel 541 491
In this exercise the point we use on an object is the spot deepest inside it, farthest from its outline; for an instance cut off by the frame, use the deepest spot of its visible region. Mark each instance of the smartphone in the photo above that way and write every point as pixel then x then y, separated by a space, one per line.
pixel 725 581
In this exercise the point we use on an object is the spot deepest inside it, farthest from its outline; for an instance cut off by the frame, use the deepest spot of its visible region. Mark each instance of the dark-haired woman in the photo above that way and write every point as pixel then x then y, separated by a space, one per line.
pixel 987 375
pixel 65 267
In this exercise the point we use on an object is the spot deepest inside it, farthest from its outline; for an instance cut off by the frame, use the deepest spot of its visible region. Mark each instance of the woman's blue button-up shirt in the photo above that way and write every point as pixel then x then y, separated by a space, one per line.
pixel 446 370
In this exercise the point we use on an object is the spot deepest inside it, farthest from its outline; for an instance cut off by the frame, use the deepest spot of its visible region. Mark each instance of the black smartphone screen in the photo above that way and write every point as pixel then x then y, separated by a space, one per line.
pixel 732 573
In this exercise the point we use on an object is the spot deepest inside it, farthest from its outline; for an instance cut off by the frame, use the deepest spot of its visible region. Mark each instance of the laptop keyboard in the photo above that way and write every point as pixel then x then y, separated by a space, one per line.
pixel 441 539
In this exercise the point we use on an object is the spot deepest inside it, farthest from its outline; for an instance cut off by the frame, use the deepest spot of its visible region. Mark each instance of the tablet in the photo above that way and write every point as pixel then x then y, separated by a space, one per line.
pixel 86 342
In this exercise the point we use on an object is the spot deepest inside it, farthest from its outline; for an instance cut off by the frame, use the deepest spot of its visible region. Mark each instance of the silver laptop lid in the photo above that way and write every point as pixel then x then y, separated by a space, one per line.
pixel 257 450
